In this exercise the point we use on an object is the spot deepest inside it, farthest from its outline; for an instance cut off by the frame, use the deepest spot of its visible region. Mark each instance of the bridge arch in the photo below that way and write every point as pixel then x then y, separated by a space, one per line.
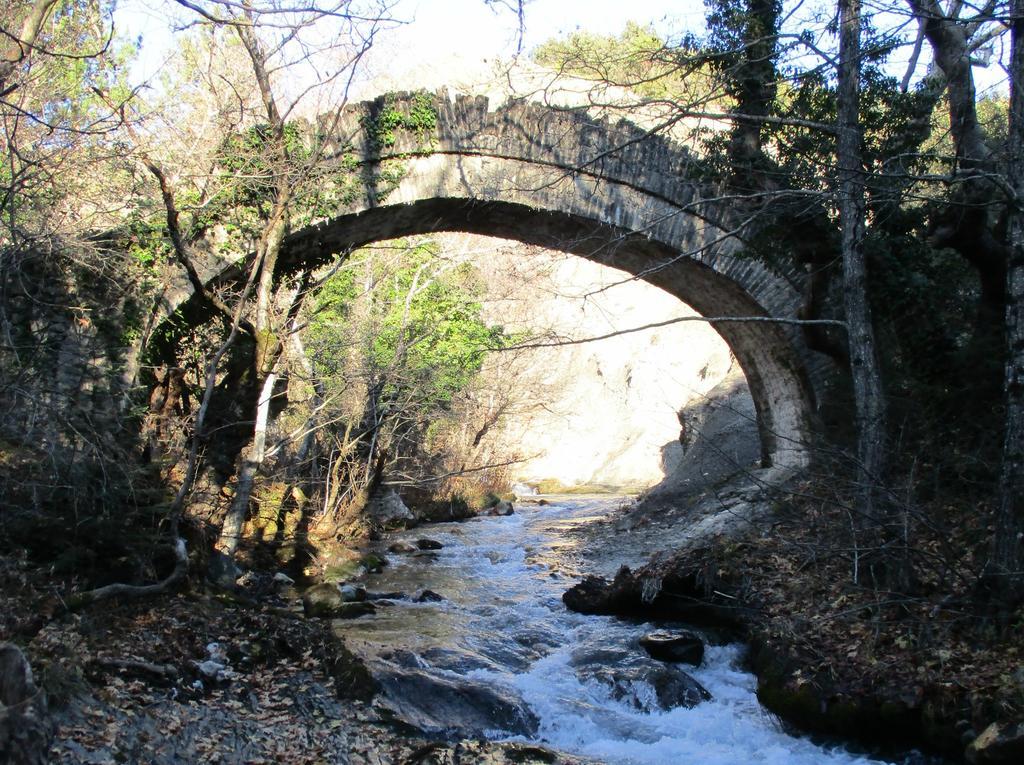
pixel 612 193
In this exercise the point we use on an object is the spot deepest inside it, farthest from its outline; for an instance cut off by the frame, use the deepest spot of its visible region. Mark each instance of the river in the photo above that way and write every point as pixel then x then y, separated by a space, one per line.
pixel 501 656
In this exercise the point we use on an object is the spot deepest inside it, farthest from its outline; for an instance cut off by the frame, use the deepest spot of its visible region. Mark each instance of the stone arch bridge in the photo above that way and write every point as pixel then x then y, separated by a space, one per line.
pixel 559 178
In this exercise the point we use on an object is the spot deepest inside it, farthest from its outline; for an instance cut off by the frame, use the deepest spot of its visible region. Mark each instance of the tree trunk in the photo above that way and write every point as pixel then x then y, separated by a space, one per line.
pixel 864 367
pixel 1007 566
pixel 222 567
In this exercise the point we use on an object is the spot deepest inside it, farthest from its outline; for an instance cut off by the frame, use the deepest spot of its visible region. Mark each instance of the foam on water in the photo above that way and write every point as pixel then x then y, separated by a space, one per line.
pixel 505 618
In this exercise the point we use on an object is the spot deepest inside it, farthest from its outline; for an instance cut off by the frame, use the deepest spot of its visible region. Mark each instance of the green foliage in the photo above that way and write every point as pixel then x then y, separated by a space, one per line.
pixel 417 322
pixel 55 115
pixel 417 115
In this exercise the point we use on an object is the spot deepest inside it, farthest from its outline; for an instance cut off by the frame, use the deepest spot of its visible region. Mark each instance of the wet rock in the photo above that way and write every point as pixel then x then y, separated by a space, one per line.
pixel 999 743
pixel 492 753
pixel 596 595
pixel 428 596
pixel 283 579
pixel 675 688
pixel 455 709
pixel 385 595
pixel 352 678
pixel 428 544
pixel 353 610
pixel 402 548
pixel 351 593
pixel 373 563
pixel 502 508
pixel 459 660
pixel 649 688
pixel 597 656
pixel 682 647
pixel 688 592
pixel 328 601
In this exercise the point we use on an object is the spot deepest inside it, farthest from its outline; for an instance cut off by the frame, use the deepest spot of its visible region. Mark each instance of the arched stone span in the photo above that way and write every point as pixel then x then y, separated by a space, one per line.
pixel 557 178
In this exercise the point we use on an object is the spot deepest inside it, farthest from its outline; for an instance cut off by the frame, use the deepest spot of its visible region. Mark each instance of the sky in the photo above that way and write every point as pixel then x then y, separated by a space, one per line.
pixel 465 34
pixel 437 30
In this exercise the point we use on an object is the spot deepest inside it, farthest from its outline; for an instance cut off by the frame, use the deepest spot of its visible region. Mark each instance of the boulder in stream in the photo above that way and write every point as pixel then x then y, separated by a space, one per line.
pixel 428 544
pixel 428 596
pixel 402 547
pixel 351 593
pixel 394 595
pixel 463 709
pixel 683 646
pixel 502 508
pixel 333 601
pixel 649 688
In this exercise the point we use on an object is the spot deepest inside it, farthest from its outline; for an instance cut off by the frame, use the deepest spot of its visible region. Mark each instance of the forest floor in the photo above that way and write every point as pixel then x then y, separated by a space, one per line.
pixel 126 684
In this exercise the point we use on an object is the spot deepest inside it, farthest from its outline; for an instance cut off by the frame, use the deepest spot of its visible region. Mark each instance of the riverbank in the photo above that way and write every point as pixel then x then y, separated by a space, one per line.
pixel 206 676
pixel 923 668
pixel 243 677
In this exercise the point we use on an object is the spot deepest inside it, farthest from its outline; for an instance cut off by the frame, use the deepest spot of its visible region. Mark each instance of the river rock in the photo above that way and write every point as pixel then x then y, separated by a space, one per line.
pixel 388 509
pixel 25 728
pixel 402 547
pixel 351 593
pixel 683 647
pixel 999 743
pixel 328 601
pixel 675 688
pixel 321 599
pixel 354 610
pixel 428 596
pixel 596 595
pixel 428 544
pixel 373 563
pixel 650 688
pixel 462 709
pixel 386 595
pixel 502 508
pixel 494 753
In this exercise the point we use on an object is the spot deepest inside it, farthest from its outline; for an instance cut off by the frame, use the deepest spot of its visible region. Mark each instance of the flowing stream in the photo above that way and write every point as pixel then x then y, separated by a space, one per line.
pixel 501 656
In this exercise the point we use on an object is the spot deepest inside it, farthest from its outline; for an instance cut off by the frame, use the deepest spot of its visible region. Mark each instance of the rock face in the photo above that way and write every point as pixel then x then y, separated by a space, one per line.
pixel 387 509
pixel 610 414
pixel 719 437
pixel 25 729
pixel 684 647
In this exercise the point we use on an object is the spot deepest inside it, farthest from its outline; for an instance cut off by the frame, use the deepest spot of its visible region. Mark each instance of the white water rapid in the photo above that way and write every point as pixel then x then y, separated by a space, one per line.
pixel 502 627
